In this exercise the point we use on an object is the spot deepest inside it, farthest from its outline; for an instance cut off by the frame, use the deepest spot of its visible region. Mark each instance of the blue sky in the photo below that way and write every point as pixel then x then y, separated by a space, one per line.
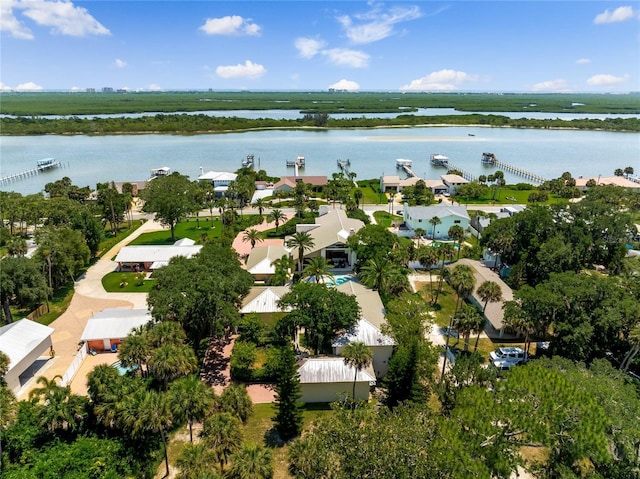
pixel 508 46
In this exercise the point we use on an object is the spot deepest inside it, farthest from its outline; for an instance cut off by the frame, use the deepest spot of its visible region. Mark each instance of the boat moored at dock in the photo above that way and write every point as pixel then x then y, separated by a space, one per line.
pixel 439 160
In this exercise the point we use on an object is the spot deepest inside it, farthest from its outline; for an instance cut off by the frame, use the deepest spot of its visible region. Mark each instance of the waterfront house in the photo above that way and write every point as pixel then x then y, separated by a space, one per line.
pixel 452 182
pixel 395 183
pixel 288 183
pixel 328 379
pixel 419 216
pixel 219 179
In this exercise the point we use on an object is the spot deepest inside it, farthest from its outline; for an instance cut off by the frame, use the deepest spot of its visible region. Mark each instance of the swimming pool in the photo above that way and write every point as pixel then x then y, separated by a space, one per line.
pixel 340 279
pixel 122 370
pixel 436 244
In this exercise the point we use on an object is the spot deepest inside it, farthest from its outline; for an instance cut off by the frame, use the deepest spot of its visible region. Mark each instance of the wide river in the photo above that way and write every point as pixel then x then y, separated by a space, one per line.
pixel 88 160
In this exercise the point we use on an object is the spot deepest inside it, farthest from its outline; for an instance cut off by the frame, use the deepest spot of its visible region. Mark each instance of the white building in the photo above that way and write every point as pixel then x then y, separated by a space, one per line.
pixel 106 329
pixel 23 341
pixel 324 380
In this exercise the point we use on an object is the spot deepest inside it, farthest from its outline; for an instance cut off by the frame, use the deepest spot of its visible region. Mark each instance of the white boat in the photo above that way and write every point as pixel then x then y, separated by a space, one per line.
pixel 400 162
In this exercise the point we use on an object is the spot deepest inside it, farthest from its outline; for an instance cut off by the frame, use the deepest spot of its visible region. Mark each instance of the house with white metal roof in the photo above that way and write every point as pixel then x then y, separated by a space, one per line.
pixel 150 257
pixel 380 344
pixel 219 179
pixel 324 380
pixel 110 326
pixel 23 341
pixel 453 182
pixel 264 300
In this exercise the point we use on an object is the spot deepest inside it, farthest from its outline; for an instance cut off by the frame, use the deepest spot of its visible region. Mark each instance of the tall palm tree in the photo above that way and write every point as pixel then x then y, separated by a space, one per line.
pixel 252 235
pixel 467 321
pixel 462 280
pixel 318 268
pixel 59 408
pixel 419 232
pixel 489 292
pixel 446 252
pixel 276 216
pixel 222 432
pixel 154 415
pixel 251 461
pixel 135 349
pixel 435 221
pixel 428 257
pixel 358 356
pixel 192 400
pixel 303 241
pixel 456 232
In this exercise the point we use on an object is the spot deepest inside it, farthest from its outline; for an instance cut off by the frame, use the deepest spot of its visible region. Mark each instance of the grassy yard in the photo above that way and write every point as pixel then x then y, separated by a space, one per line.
pixel 506 196
pixel 110 241
pixel 259 424
pixel 385 219
pixel 195 230
pixel 126 283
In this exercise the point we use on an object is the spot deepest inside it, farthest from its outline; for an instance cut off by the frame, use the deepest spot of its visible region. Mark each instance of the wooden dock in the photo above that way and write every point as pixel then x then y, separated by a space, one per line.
pixel 42 165
pixel 491 159
pixel 465 174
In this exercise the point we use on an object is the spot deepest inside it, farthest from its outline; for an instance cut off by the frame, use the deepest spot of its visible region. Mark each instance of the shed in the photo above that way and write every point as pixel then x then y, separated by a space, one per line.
pixel 110 326
pixel 324 380
pixel 23 341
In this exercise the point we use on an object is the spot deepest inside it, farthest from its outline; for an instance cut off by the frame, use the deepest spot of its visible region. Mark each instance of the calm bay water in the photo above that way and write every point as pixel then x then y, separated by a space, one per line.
pixel 91 159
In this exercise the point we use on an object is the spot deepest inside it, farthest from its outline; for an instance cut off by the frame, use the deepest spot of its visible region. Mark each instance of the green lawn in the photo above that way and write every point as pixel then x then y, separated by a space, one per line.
pixel 211 227
pixel 110 241
pixel 385 219
pixel 507 196
pixel 260 423
pixel 125 283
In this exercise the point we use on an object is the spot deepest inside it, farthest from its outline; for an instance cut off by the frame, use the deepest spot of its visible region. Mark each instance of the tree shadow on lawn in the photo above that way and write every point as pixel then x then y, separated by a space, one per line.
pixel 215 363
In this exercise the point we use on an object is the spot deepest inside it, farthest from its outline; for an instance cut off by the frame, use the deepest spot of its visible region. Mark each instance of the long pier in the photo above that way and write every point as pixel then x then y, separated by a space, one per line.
pixel 465 174
pixel 491 159
pixel 42 165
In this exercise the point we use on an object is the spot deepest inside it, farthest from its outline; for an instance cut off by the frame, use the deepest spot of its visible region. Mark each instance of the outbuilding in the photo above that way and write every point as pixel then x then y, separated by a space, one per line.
pixel 324 380
pixel 23 341
pixel 107 329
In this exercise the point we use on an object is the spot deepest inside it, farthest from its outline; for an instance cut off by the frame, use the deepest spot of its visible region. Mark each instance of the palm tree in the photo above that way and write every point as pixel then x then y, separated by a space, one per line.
pixel 59 409
pixel 435 221
pixel 462 280
pixel 303 241
pixel 192 400
pixel 375 273
pixel 318 268
pixel 196 461
pixel 276 216
pixel 358 356
pixel 634 340
pixel 456 232
pixel 467 321
pixel 446 252
pixel 260 204
pixel 282 267
pixel 252 235
pixel 419 232
pixel 222 432
pixel 135 349
pixel 489 292
pixel 154 415
pixel 171 361
pixel 251 461
pixel 236 401
pixel 428 257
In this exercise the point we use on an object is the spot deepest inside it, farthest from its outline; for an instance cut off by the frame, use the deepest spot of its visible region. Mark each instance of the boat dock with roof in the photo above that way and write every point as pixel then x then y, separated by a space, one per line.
pixel 41 165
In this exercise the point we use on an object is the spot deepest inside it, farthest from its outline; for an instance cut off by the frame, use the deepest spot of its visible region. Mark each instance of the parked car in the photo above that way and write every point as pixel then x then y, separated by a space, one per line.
pixel 502 365
pixel 511 354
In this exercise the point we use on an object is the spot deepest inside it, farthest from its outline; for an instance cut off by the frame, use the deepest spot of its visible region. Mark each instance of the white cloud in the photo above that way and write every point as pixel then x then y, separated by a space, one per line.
pixel 376 24
pixel 558 85
pixel 620 14
pixel 443 80
pixel 246 70
pixel 4 87
pixel 120 63
pixel 9 23
pixel 346 57
pixel 230 25
pixel 605 80
pixel 308 47
pixel 75 89
pixel 347 85
pixel 63 17
pixel 154 87
pixel 583 61
pixel 29 86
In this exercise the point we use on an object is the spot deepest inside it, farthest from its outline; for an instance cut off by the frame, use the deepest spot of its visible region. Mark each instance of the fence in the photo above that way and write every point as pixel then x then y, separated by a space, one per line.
pixel 39 311
pixel 75 365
